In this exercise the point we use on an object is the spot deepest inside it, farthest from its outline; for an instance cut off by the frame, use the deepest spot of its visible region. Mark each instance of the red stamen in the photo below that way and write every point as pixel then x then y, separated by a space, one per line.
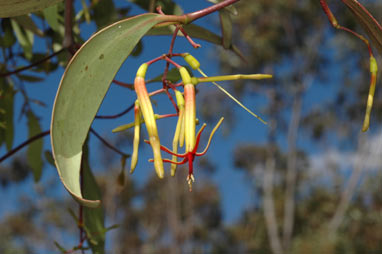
pixel 176 162
pixel 198 138
pixel 163 148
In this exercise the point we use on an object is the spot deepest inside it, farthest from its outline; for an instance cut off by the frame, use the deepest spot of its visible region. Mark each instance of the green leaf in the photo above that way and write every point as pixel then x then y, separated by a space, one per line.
pixel 226 27
pixel 51 16
pixel 34 153
pixel 168 6
pixel 198 32
pixel 138 49
pixel 104 12
pixel 121 176
pixel 60 248
pixel 367 21
pixel 173 75
pixel 8 39
pixel 25 38
pixel 49 157
pixel 94 218
pixel 29 78
pixel 6 113
pixel 27 23
pixel 82 89
pixel 10 8
pixel 85 11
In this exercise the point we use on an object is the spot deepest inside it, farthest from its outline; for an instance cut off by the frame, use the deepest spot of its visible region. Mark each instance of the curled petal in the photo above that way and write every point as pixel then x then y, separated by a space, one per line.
pixel 211 135
pixel 163 148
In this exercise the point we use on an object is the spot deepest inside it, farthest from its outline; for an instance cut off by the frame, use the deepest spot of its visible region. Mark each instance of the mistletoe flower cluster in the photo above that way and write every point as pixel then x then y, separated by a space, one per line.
pixel 185 106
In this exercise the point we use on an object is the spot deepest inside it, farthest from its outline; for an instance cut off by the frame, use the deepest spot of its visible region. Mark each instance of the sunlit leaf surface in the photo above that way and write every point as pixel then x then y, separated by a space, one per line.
pixel 82 89
pixel 10 8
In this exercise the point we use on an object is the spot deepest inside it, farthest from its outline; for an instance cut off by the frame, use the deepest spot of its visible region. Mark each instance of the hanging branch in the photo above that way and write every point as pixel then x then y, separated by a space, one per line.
pixel 25 143
pixel 108 144
pixel 117 115
pixel 32 65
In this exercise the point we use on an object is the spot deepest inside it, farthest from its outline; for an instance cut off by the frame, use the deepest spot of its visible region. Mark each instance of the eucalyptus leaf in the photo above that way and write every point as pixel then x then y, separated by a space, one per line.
pixel 367 21
pixel 6 113
pixel 94 218
pixel 29 78
pixel 168 6
pixel 226 27
pixel 51 16
pixel 8 38
pixel 104 13
pixel 25 38
pixel 82 89
pixel 173 75
pixel 27 23
pixel 198 32
pixel 49 157
pixel 34 153
pixel 10 8
pixel 60 248
pixel 137 49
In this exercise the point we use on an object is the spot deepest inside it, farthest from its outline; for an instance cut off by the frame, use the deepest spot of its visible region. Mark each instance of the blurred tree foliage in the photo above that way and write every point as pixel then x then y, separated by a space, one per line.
pixel 302 206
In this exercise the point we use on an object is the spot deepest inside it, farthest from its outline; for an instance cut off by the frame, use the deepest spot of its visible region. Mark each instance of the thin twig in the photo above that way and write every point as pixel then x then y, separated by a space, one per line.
pixel 193 44
pixel 27 142
pixel 117 115
pixel 108 144
pixel 31 65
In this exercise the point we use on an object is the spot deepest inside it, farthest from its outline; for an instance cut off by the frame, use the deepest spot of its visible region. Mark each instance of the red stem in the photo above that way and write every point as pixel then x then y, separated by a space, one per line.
pixel 172 62
pixel 193 44
pixel 190 17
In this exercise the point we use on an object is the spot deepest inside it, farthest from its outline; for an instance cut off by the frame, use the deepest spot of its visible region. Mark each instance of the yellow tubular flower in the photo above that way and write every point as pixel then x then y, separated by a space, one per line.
pixel 148 116
pixel 370 98
pixel 137 129
pixel 181 134
pixel 189 110
pixel 175 142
